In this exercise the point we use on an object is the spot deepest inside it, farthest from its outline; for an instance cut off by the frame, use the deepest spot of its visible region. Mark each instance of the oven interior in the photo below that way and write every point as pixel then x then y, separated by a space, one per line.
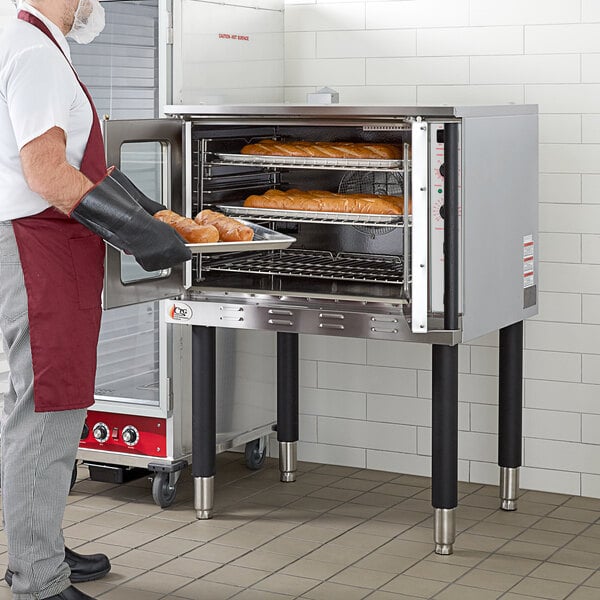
pixel 358 257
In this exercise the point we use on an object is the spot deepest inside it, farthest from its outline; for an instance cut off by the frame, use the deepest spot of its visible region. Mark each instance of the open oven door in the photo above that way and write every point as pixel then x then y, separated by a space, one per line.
pixel 150 153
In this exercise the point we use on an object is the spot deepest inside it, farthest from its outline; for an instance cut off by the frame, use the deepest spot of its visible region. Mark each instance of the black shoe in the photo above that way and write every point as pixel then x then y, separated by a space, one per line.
pixel 86 567
pixel 71 593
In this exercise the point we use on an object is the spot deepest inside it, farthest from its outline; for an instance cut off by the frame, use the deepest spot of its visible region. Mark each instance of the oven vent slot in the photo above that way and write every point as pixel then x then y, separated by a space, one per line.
pixel 315 264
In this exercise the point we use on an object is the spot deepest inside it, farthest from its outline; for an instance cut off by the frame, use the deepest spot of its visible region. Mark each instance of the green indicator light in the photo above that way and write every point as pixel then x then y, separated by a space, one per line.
pixel 440 190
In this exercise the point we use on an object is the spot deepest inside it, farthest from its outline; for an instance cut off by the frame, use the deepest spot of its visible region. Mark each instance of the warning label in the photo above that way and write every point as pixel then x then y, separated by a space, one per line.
pixel 528 262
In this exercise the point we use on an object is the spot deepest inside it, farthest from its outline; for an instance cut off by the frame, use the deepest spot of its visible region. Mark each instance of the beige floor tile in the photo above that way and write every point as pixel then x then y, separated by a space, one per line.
pixel 360 540
pixel 401 515
pixel 217 553
pixel 481 501
pixel 484 543
pixel 331 493
pixel 120 574
pixel 263 560
pixel 507 532
pixel 381 528
pixel 535 508
pixel 352 483
pixel 337 470
pixel 436 570
pixel 259 595
pixel 379 595
pixel 332 552
pixel 238 575
pixel 163 583
pixel 188 567
pixel 315 568
pixel 386 563
pixel 291 546
pixel 514 519
pixel 406 548
pixel 140 559
pixel 132 594
pixel 374 498
pixel 542 588
pixel 545 497
pixel 364 578
pixel 527 550
pixel 549 538
pixel 336 591
pixel 361 511
pixel 509 564
pixel 584 593
pixel 337 523
pixel 594 580
pixel 583 502
pixel 559 525
pixel 575 514
pixel 584 544
pixel 461 592
pixel 412 586
pixel 375 475
pixel 576 558
pixel 491 580
pixel 287 584
pixel 563 573
pixel 173 546
pixel 312 533
pixel 206 589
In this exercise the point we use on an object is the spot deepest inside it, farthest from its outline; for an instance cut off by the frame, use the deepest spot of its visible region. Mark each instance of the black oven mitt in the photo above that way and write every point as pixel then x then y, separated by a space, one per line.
pixel 113 214
pixel 148 205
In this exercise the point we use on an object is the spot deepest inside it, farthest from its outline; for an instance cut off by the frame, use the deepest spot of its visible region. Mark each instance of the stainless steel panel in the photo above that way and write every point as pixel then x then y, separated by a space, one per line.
pixel 500 209
pixel 312 317
pixel 169 283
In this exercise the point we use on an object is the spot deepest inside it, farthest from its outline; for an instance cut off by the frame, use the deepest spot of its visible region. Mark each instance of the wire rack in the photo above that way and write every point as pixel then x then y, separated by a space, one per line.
pixel 315 264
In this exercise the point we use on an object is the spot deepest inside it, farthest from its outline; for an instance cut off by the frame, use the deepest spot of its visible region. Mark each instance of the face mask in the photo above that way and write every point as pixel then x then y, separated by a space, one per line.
pixel 89 21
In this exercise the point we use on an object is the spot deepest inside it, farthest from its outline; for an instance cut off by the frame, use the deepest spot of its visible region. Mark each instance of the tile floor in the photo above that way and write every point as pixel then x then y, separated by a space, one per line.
pixel 337 533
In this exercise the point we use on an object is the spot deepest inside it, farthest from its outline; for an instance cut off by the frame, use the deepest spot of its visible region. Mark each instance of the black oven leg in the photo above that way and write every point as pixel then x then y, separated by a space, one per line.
pixel 287 404
pixel 510 413
pixel 444 451
pixel 204 418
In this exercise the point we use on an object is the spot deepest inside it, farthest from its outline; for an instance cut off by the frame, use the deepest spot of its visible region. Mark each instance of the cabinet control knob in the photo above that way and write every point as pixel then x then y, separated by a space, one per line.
pixel 130 435
pixel 85 431
pixel 101 432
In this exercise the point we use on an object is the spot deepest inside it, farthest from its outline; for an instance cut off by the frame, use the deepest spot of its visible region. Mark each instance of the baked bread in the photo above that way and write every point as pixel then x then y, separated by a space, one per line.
pixel 229 229
pixel 324 149
pixel 188 229
pixel 322 201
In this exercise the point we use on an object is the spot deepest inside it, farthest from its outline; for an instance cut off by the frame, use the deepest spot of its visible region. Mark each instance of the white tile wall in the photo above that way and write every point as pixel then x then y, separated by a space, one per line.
pixel 475 52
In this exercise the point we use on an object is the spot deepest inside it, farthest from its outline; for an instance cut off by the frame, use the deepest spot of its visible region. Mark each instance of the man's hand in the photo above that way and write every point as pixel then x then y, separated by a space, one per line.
pixel 48 173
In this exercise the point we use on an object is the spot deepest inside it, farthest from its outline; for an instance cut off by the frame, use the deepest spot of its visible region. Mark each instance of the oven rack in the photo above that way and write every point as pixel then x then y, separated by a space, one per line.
pixel 305 216
pixel 296 162
pixel 315 264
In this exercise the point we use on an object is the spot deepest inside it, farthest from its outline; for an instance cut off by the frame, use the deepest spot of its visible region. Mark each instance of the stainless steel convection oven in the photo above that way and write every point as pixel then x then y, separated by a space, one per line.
pixel 459 263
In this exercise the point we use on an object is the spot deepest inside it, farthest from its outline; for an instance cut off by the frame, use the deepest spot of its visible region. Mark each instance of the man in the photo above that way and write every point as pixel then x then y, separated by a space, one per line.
pixel 57 202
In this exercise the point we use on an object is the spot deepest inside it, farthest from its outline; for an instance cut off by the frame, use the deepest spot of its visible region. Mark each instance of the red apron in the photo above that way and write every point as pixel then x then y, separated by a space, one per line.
pixel 63 268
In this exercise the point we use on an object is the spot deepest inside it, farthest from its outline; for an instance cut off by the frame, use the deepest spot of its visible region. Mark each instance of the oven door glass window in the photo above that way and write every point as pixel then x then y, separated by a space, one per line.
pixel 144 164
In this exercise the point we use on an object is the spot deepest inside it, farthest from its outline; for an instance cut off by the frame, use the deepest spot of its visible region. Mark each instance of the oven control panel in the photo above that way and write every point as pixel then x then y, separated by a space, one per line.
pixel 436 245
pixel 130 434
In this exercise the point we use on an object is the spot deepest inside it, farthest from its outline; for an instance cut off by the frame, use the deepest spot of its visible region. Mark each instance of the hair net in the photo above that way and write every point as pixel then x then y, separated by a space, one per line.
pixel 88 23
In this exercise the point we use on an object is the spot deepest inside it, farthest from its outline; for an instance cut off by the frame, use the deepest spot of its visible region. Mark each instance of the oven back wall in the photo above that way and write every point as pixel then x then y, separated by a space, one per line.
pixel 368 403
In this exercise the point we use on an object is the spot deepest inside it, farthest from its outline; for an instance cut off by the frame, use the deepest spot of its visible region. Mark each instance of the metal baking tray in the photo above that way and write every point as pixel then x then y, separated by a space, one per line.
pixel 368 164
pixel 307 216
pixel 264 239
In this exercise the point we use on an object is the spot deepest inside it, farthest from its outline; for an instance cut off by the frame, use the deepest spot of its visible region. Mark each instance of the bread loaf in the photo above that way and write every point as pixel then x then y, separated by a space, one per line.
pixel 229 229
pixel 324 149
pixel 188 229
pixel 322 201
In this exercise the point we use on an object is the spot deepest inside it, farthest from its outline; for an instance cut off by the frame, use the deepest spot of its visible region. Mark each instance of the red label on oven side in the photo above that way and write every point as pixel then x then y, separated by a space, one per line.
pixel 128 434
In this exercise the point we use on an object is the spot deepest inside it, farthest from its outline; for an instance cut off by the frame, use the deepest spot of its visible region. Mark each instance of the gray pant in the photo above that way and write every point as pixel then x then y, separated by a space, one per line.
pixel 38 450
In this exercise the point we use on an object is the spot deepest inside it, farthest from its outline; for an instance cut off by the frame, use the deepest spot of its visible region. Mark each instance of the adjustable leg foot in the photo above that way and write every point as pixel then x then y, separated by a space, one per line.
pixel 509 488
pixel 444 530
pixel 204 496
pixel 288 461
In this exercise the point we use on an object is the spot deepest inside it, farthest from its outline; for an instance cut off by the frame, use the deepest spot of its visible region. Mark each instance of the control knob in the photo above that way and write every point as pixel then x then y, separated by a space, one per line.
pixel 130 435
pixel 101 432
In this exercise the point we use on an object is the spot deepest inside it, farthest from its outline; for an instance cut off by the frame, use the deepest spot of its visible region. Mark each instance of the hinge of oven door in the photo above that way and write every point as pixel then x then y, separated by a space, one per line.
pixel 169 394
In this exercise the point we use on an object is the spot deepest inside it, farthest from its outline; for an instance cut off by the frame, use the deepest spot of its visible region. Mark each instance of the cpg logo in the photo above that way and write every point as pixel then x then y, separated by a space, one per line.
pixel 180 312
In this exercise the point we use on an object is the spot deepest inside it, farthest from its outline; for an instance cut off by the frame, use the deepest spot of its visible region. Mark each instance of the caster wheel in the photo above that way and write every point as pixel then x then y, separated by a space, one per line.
pixel 255 457
pixel 73 476
pixel 164 488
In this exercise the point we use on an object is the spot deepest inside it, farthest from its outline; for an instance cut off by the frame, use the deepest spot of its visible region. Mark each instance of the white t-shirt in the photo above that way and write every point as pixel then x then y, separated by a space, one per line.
pixel 38 91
